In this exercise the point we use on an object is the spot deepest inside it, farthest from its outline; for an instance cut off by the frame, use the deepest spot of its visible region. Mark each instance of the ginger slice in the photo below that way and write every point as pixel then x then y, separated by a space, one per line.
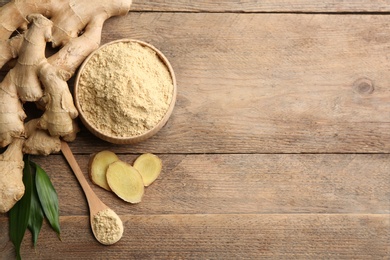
pixel 149 166
pixel 125 181
pixel 98 167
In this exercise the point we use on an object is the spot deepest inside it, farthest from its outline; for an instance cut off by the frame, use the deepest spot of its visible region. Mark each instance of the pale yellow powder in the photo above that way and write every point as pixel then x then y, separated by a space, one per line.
pixel 107 227
pixel 125 89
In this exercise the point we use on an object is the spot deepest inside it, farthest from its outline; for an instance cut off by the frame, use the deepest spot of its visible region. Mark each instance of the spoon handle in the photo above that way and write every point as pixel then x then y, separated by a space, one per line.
pixel 95 204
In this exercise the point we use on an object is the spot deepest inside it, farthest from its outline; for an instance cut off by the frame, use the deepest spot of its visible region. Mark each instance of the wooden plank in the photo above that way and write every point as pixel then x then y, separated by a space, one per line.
pixel 333 6
pixel 218 237
pixel 271 83
pixel 247 184
pixel 263 6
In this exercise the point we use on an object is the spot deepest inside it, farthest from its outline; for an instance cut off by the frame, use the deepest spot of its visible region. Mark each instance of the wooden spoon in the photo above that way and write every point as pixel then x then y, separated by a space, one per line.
pixel 112 229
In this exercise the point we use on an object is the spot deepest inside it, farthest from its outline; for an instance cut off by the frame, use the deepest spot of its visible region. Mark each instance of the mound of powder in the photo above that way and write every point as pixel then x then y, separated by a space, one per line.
pixel 107 227
pixel 125 89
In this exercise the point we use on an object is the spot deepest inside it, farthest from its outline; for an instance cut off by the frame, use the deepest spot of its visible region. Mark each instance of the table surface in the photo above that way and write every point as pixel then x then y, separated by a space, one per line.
pixel 278 146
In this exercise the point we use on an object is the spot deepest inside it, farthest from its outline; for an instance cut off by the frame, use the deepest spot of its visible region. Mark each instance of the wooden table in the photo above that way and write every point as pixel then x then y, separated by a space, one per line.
pixel 278 146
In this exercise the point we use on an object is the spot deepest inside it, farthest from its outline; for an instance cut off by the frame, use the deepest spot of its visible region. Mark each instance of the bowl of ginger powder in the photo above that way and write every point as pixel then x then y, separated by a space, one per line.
pixel 125 91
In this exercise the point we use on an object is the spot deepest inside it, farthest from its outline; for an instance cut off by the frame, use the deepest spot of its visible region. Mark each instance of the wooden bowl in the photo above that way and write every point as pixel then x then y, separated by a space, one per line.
pixel 125 139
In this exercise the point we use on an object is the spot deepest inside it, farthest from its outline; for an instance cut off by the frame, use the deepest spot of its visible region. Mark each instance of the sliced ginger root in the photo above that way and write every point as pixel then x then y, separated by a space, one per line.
pixel 149 166
pixel 98 167
pixel 125 181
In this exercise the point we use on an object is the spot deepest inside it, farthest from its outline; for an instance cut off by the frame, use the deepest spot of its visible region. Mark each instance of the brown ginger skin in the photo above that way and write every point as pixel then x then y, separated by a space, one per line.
pixel 31 58
pixel 9 49
pixel 11 112
pixel 11 175
pixel 38 141
pixel 70 18
pixel 21 83
pixel 59 109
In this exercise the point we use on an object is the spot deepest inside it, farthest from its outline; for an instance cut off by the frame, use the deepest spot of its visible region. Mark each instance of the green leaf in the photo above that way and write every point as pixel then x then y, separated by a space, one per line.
pixel 20 212
pixel 48 198
pixel 36 214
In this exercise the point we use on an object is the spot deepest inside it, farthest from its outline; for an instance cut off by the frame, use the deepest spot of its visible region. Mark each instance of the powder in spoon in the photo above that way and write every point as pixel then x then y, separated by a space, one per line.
pixel 107 227
pixel 125 89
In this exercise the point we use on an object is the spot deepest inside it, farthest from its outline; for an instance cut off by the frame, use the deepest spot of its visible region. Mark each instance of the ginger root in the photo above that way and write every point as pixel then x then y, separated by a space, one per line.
pixel 31 57
pixel 75 28
pixel 11 175
pixel 11 113
pixel 59 109
pixel 39 141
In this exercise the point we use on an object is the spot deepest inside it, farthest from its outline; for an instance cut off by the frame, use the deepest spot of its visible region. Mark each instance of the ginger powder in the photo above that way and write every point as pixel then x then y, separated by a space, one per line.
pixel 125 89
pixel 107 227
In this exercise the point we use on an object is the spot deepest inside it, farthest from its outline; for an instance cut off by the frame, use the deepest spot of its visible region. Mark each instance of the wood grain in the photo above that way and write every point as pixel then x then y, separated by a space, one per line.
pixel 247 184
pixel 219 237
pixel 263 6
pixel 331 6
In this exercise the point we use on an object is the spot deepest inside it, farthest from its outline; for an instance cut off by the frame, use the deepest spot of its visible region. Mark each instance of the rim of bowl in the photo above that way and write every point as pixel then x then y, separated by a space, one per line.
pixel 126 139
